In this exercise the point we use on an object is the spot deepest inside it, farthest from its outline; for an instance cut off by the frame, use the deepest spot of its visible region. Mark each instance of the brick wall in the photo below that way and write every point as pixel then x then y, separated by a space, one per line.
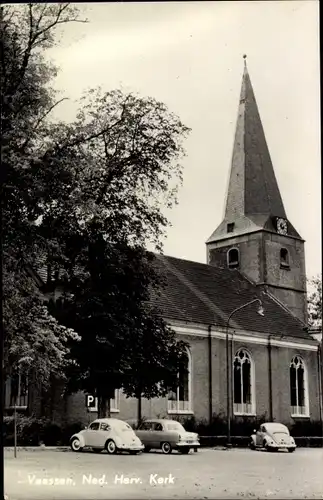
pixel 76 411
pixel 288 279
pixel 200 375
pixel 281 358
pixel 250 254
pixel 260 261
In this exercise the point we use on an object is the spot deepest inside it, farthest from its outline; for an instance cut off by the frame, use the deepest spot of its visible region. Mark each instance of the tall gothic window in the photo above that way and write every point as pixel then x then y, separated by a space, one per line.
pixel 243 391
pixel 16 391
pixel 233 258
pixel 179 399
pixel 298 387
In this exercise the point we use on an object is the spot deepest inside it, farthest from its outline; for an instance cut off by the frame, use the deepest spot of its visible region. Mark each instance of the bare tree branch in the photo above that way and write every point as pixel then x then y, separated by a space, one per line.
pixel 55 23
pixel 42 118
pixel 100 133
pixel 34 36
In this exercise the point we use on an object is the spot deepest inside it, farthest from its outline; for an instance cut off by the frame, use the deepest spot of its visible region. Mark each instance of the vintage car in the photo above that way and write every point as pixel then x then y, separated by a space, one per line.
pixel 272 436
pixel 167 435
pixel 110 434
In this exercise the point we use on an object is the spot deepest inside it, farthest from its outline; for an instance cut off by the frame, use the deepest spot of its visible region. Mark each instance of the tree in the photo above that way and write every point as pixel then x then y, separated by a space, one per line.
pixel 32 338
pixel 314 302
pixel 87 197
pixel 115 165
pixel 112 168
pixel 125 342
pixel 156 359
pixel 26 102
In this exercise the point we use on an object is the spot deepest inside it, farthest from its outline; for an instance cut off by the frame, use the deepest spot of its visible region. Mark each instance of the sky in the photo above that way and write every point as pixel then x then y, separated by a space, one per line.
pixel 189 56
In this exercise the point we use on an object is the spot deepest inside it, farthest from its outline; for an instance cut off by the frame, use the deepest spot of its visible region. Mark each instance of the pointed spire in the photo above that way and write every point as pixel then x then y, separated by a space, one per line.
pixel 253 188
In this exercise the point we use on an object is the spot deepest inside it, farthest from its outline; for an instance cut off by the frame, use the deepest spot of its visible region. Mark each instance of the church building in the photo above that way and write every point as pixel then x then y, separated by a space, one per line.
pixel 244 312
pixel 255 253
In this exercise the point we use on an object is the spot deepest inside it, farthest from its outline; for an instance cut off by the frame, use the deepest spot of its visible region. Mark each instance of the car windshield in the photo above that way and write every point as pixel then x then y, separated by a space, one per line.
pixel 175 426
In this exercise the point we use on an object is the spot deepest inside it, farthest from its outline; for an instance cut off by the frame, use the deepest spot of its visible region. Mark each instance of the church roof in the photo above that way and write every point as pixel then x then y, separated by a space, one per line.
pixel 205 294
pixel 200 293
pixel 253 197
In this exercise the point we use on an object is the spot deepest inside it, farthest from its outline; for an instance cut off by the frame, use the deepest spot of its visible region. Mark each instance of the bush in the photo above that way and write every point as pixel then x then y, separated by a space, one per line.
pixel 240 426
pixel 244 426
pixel 32 431
pixel 28 430
pixel 68 431
pixel 307 428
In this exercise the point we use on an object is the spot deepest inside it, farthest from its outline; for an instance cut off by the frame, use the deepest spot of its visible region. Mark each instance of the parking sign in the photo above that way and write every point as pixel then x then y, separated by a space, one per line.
pixel 90 401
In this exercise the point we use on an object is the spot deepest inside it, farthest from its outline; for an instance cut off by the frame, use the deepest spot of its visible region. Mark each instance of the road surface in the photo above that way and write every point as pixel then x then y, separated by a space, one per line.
pixel 236 473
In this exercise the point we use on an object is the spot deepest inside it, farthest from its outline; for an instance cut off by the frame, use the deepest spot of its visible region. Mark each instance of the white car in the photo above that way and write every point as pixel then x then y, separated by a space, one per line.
pixel 110 434
pixel 272 436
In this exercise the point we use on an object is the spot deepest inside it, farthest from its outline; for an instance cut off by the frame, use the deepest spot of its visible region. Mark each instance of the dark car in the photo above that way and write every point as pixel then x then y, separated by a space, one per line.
pixel 166 435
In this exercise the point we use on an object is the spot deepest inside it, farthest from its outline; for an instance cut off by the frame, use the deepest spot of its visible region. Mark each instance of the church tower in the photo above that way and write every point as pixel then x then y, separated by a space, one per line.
pixel 255 235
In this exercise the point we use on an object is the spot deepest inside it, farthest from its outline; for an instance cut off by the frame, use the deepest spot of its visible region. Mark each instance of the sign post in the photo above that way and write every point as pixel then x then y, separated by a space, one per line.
pixel 15 430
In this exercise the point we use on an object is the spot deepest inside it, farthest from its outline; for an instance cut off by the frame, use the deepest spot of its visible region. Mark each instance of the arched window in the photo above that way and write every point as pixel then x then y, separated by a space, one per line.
pixel 60 302
pixel 16 391
pixel 284 257
pixel 233 258
pixel 243 383
pixel 298 387
pixel 180 397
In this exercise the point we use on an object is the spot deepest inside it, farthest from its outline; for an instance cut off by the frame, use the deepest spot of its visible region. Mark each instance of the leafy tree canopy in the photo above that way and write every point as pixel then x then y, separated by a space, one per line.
pixel 32 336
pixel 88 196
pixel 314 302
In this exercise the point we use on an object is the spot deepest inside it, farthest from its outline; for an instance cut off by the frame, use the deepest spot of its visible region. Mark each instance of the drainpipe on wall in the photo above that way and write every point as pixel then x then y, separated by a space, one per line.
pixel 270 380
pixel 210 374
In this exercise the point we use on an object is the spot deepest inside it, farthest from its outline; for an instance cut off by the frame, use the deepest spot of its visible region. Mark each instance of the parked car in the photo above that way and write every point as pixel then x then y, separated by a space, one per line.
pixel 167 435
pixel 110 434
pixel 272 436
pixel 133 422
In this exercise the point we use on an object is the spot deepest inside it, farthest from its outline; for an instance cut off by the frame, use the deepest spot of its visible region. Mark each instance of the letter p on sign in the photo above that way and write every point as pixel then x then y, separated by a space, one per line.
pixel 90 401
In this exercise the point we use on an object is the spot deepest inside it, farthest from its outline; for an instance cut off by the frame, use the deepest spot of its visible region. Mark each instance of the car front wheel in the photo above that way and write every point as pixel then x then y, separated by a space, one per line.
pixel 290 450
pixel 76 445
pixel 252 445
pixel 185 451
pixel 111 447
pixel 166 448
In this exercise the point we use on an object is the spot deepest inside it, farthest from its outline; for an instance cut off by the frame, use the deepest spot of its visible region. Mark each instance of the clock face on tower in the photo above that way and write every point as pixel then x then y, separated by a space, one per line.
pixel 281 226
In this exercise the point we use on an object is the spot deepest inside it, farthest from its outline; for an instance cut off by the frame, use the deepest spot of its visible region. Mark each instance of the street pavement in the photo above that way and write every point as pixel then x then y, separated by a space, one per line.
pixel 210 473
